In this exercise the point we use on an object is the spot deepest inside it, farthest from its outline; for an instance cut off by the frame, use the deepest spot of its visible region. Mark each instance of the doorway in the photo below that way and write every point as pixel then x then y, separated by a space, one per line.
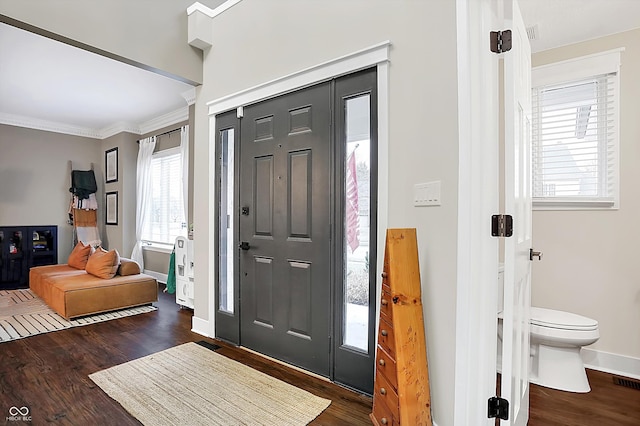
pixel 296 218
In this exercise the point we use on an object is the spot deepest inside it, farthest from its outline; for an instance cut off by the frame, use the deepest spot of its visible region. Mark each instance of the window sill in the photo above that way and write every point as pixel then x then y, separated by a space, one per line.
pixel 158 247
pixel 548 204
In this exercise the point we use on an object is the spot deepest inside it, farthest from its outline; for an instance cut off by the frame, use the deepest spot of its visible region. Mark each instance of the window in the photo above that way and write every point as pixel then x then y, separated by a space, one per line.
pixel 575 133
pixel 166 219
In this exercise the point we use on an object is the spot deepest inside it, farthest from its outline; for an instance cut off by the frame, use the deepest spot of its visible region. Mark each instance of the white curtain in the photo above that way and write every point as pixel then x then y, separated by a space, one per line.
pixel 184 152
pixel 143 193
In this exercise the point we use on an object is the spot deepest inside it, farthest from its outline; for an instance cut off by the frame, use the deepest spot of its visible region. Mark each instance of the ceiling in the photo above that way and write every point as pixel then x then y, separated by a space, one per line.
pixel 563 22
pixel 53 86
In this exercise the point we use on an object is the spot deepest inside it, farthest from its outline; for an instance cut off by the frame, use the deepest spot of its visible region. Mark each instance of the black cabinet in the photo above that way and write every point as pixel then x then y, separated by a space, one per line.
pixel 22 247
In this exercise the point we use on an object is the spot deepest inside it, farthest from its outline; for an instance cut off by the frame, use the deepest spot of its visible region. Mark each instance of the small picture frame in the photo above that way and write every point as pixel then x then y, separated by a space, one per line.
pixel 111 165
pixel 111 208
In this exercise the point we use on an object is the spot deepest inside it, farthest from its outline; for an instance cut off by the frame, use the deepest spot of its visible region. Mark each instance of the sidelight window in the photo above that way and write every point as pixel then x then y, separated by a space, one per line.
pixel 357 222
pixel 226 224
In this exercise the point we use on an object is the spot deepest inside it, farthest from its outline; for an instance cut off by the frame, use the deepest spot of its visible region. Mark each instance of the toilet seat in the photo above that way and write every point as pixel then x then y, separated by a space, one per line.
pixel 542 317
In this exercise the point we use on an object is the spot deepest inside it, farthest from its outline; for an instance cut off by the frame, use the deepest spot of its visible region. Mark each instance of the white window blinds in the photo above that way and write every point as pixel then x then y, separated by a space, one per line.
pixel 166 215
pixel 575 131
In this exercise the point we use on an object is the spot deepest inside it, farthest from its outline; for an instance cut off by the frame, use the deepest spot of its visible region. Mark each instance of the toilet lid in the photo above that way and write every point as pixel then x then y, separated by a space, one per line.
pixel 558 319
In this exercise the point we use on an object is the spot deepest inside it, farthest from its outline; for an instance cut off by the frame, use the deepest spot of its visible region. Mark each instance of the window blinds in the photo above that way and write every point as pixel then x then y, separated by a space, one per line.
pixel 574 140
pixel 166 218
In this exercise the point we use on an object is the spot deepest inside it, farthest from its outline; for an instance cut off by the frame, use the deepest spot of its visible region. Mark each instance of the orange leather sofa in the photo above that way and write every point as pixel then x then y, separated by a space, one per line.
pixel 74 293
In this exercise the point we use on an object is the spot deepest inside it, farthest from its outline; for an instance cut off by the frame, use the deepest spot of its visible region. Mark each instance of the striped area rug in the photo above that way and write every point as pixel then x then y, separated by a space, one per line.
pixel 23 314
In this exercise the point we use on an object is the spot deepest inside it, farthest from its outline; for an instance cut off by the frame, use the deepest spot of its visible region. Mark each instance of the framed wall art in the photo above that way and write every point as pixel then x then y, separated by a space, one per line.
pixel 111 208
pixel 111 165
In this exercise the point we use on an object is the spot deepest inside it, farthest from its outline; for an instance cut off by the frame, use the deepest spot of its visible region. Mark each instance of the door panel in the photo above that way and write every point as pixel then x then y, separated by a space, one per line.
pixel 227 293
pixel 285 273
pixel 517 273
pixel 355 210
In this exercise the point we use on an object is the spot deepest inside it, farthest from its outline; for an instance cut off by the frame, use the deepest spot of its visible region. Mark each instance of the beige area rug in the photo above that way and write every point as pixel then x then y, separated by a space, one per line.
pixel 23 314
pixel 192 385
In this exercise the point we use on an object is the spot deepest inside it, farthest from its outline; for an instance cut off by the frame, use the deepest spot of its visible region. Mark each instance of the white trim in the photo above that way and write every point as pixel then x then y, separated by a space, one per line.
pixel 48 126
pixel 621 365
pixel 189 96
pixel 577 68
pixel 573 204
pixel 376 55
pixel 157 247
pixel 165 120
pixel 211 13
pixel 352 62
pixel 160 277
pixel 477 251
pixel 200 326
pixel 114 129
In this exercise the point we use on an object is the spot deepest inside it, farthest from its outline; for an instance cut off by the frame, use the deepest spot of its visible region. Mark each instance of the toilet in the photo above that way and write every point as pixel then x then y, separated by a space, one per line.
pixel 556 338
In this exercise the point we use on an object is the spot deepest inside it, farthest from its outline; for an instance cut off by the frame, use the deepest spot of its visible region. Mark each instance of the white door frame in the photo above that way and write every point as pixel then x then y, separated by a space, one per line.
pixel 478 199
pixel 376 55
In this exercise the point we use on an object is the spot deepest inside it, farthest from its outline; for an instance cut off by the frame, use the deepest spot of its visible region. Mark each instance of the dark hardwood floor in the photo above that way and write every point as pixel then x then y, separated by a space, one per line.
pixel 48 374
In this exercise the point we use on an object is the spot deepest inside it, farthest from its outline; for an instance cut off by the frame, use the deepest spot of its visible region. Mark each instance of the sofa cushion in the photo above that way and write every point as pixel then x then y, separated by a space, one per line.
pixel 103 264
pixel 79 255
pixel 128 267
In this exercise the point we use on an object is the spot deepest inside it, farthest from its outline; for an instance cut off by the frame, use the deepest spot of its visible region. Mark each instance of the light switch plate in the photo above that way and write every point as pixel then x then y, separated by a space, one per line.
pixel 426 194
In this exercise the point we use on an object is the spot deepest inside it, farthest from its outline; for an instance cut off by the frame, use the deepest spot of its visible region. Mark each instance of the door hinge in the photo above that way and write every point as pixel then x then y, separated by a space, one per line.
pixel 500 41
pixel 501 225
pixel 498 407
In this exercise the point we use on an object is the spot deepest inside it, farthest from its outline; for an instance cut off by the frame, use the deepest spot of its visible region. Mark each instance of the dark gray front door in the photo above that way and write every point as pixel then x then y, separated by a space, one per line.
pixel 284 223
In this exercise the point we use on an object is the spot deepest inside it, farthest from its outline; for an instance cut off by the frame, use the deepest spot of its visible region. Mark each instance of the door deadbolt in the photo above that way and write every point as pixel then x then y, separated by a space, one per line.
pixel 245 211
pixel 245 245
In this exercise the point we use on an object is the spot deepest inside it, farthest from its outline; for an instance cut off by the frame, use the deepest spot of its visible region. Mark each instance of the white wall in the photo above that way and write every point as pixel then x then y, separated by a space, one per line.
pixel 153 33
pixel 590 257
pixel 257 41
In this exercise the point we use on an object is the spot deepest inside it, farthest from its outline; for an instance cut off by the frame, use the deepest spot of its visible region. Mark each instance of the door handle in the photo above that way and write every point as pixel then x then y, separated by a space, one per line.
pixel 533 254
pixel 245 245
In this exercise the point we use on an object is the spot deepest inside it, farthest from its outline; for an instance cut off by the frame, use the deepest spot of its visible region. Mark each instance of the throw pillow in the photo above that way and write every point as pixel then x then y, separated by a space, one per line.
pixel 128 267
pixel 80 255
pixel 103 264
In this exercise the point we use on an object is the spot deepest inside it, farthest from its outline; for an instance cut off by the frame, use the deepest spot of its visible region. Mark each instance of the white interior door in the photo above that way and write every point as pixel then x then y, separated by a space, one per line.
pixel 517 269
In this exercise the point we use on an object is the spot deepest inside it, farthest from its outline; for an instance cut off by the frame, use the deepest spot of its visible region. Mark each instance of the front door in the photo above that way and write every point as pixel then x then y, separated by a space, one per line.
pixel 517 269
pixel 284 224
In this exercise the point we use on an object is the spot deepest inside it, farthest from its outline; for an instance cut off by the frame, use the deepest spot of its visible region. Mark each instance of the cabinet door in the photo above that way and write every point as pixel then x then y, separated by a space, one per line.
pixel 15 255
pixel 42 245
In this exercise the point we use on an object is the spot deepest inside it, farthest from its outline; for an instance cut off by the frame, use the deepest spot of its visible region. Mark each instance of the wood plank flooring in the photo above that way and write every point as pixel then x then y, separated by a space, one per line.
pixel 49 375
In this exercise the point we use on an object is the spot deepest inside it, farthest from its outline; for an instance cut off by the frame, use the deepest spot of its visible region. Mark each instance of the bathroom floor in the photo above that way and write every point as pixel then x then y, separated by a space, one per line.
pixel 606 404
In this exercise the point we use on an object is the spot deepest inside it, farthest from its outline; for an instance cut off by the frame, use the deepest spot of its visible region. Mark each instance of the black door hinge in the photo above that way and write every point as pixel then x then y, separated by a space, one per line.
pixel 498 407
pixel 500 41
pixel 501 225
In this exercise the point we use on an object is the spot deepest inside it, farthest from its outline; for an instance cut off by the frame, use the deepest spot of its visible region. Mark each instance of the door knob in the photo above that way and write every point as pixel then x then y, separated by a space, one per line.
pixel 533 254
pixel 245 245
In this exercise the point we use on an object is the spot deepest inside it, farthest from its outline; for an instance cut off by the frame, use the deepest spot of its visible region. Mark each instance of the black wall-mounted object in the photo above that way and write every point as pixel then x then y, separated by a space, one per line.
pixel 22 247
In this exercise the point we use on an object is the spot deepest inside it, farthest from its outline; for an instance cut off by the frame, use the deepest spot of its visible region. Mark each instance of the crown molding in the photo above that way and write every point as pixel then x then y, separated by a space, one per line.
pixel 211 13
pixel 165 120
pixel 190 96
pixel 48 126
pixel 114 129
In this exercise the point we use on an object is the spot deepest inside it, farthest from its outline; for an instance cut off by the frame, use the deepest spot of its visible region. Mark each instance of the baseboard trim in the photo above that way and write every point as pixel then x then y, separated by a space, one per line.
pixel 157 275
pixel 200 326
pixel 607 362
